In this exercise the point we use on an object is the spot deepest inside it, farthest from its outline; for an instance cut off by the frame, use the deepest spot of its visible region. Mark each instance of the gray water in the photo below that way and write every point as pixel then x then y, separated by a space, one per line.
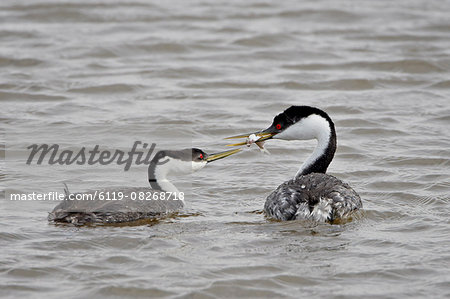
pixel 189 73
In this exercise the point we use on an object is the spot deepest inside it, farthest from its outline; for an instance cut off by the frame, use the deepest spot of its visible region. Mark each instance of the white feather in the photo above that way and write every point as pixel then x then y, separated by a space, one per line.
pixel 311 127
pixel 175 166
pixel 321 212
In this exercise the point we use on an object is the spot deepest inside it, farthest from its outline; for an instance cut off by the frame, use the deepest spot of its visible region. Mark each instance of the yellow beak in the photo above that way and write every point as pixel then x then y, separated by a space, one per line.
pixel 221 155
pixel 262 137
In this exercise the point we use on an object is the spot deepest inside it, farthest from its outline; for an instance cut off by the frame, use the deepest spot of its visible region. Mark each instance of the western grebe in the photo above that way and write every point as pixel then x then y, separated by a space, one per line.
pixel 116 205
pixel 311 194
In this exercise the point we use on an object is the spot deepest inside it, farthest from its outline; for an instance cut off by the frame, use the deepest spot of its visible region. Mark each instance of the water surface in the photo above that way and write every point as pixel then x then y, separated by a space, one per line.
pixel 182 74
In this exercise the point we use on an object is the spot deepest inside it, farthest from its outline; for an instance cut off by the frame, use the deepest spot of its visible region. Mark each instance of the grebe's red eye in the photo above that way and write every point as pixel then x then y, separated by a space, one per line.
pixel 278 127
pixel 201 156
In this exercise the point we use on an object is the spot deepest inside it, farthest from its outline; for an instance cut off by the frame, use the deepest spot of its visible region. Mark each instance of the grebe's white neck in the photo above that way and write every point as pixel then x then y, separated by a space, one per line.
pixel 317 127
pixel 159 170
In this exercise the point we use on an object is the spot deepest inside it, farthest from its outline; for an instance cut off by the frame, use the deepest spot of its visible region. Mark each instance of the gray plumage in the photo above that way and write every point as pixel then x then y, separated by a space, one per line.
pixel 132 203
pixel 315 196
pixel 80 212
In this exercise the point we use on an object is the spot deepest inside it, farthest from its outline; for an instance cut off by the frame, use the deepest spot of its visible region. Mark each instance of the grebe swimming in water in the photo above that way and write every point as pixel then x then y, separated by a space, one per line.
pixel 311 194
pixel 130 207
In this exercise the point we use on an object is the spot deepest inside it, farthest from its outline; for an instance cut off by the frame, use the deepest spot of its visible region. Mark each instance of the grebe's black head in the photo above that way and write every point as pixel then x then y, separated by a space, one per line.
pixel 183 161
pixel 301 123
pixel 295 123
pixel 186 160
pixel 294 115
pixel 185 155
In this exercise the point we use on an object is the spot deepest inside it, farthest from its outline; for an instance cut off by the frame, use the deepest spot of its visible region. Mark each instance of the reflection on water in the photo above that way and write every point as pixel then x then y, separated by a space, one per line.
pixel 189 74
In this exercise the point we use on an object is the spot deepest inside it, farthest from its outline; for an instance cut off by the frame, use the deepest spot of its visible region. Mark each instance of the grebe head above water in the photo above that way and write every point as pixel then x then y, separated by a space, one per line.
pixel 183 161
pixel 302 123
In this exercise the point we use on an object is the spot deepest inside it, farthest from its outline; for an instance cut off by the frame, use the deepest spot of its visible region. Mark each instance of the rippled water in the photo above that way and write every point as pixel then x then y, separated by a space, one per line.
pixel 188 73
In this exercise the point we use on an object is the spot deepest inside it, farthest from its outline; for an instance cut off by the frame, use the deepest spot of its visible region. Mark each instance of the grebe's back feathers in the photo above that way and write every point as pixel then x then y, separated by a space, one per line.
pixel 130 204
pixel 316 196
